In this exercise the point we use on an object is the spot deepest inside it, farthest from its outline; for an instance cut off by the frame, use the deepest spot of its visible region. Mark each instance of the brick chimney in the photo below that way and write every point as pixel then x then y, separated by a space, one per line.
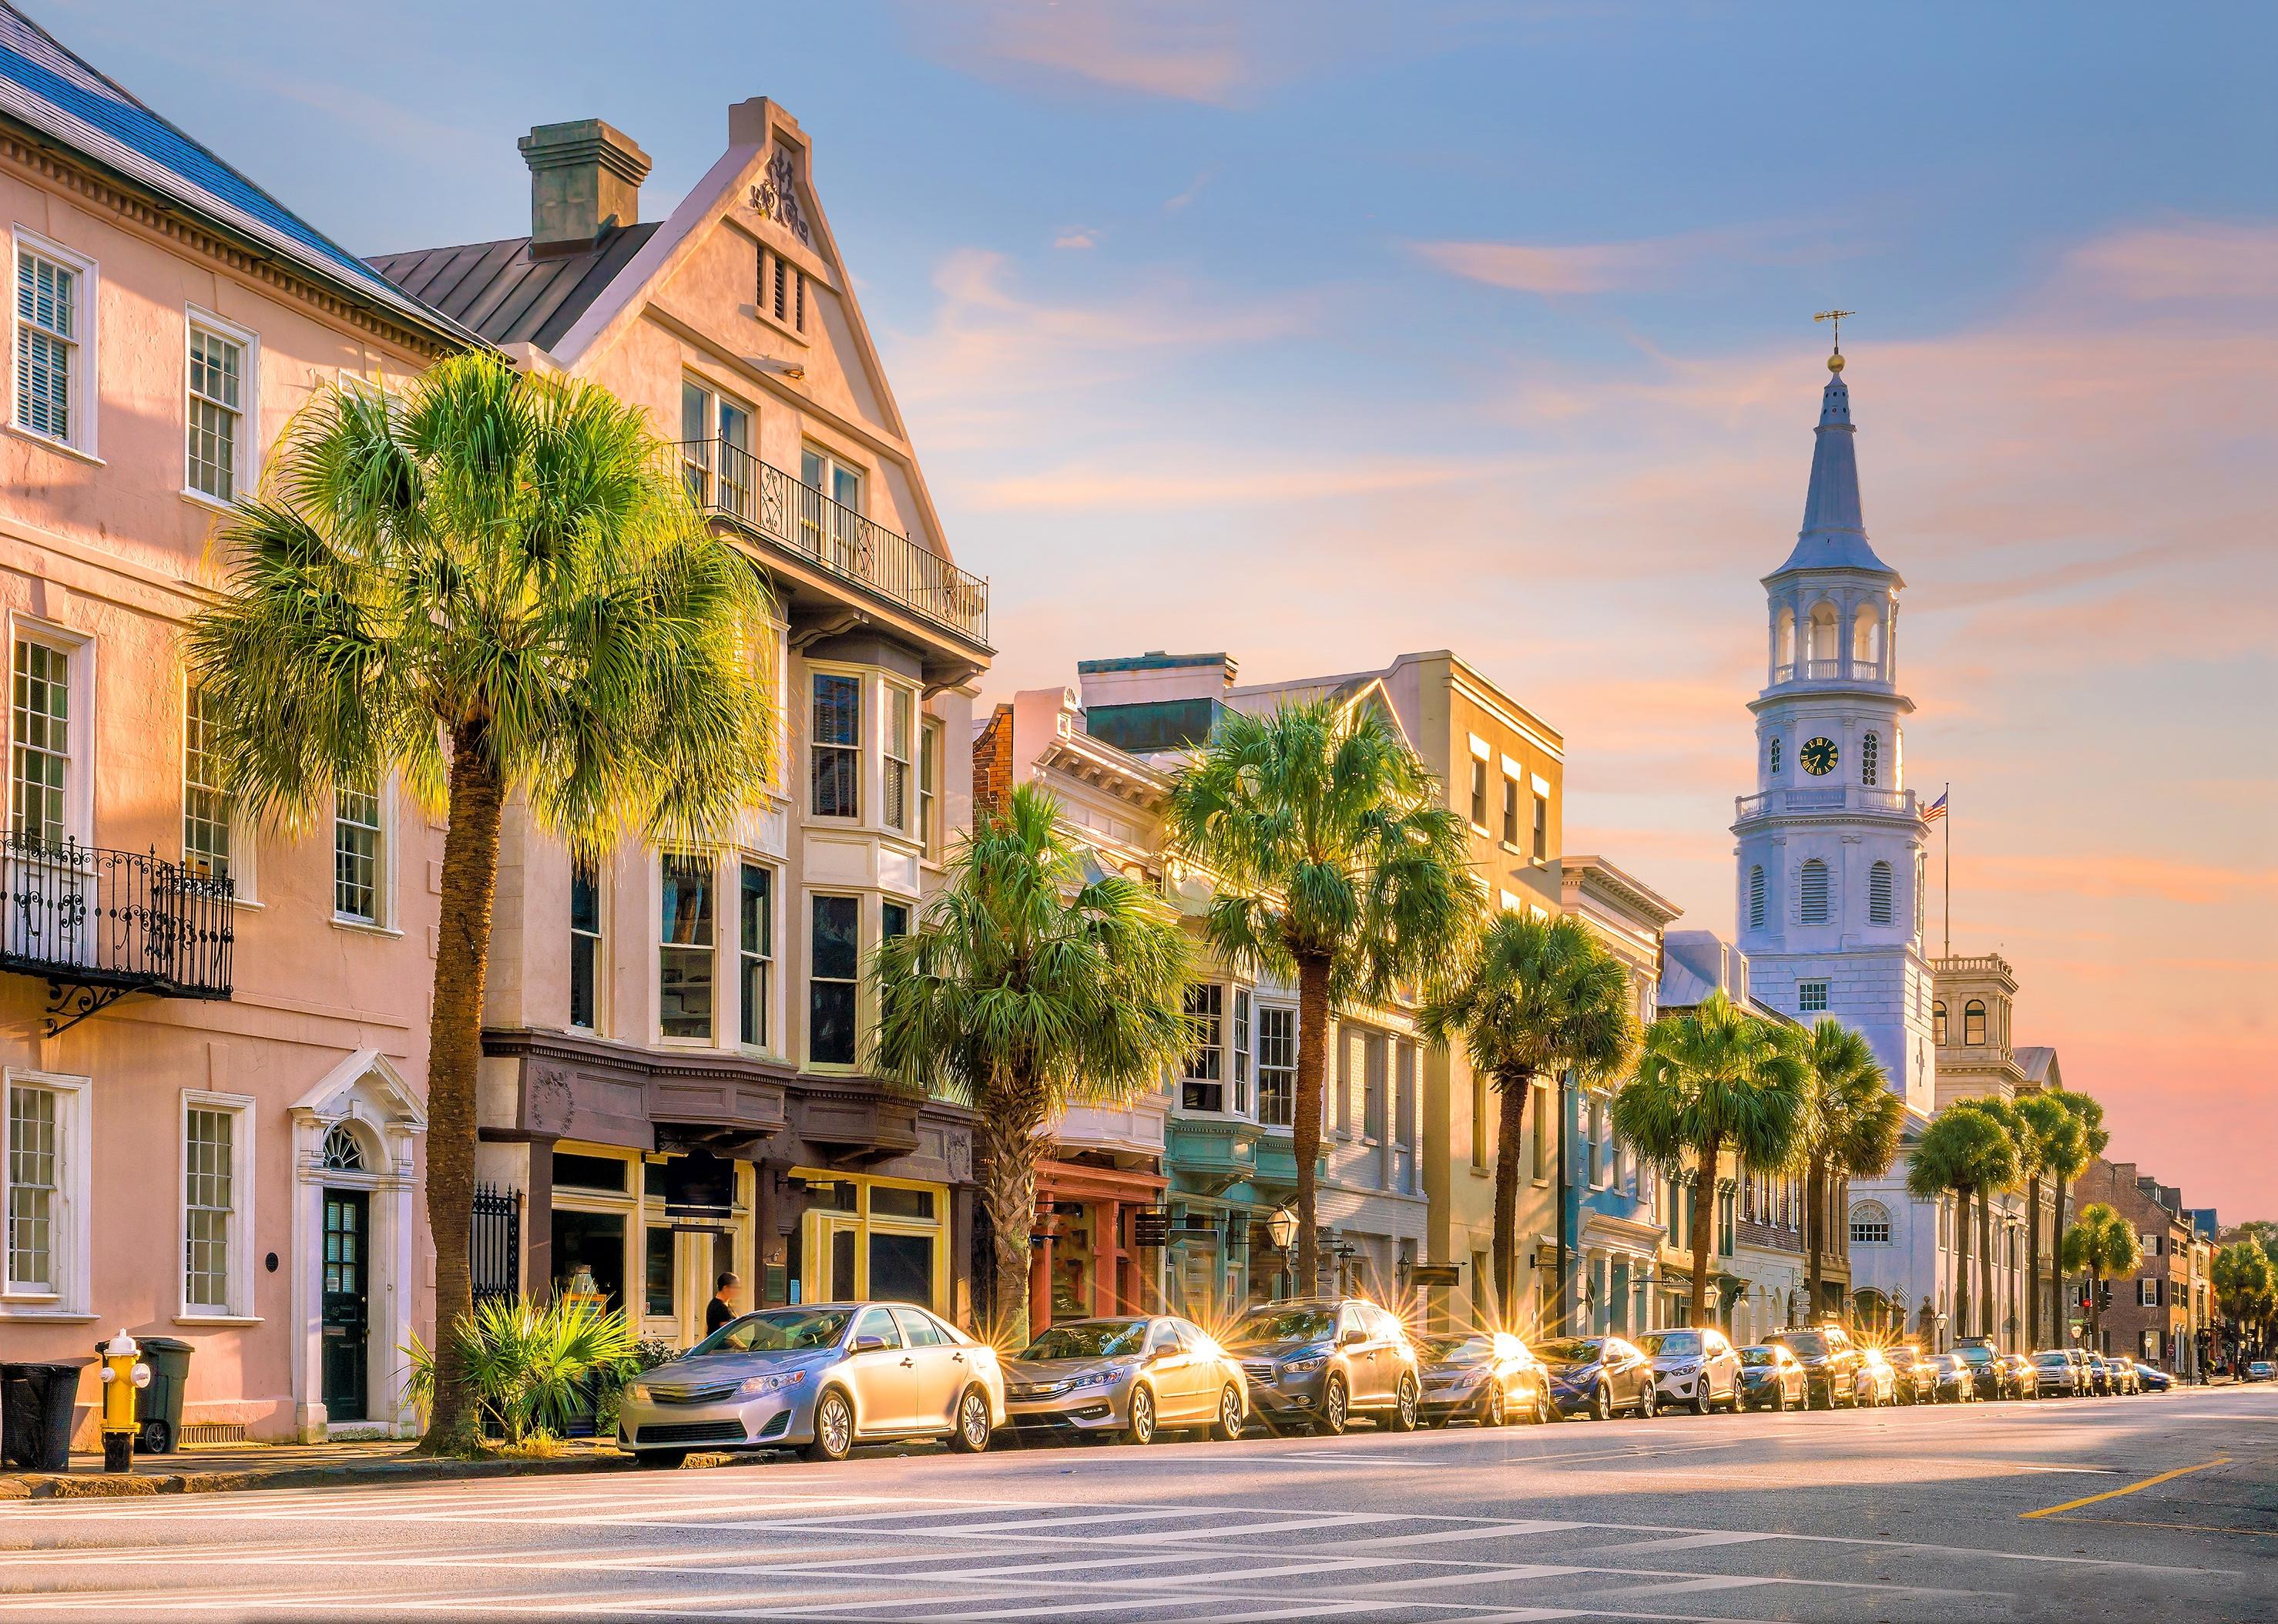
pixel 584 175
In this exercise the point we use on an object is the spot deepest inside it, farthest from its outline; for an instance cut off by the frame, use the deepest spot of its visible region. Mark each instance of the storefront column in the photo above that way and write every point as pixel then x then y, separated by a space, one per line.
pixel 1107 1260
pixel 1039 1276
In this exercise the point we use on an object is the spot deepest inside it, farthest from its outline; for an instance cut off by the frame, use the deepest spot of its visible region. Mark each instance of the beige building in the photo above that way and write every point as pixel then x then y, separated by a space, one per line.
pixel 672 1078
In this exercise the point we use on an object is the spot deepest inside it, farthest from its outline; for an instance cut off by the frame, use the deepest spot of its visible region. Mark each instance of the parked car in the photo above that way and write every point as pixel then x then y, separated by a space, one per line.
pixel 1130 1376
pixel 1771 1378
pixel 820 1377
pixel 2154 1379
pixel 2260 1370
pixel 2084 1378
pixel 1319 1361
pixel 2123 1375
pixel 1916 1379
pixel 1487 1377
pixel 1598 1376
pixel 2054 1374
pixel 1953 1382
pixel 1830 1361
pixel 2100 1373
pixel 1874 1383
pixel 1696 1367
pixel 2017 1379
pixel 1982 1358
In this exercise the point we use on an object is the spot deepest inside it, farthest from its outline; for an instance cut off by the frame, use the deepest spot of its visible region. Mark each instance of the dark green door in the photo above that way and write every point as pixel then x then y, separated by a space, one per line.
pixel 346 1302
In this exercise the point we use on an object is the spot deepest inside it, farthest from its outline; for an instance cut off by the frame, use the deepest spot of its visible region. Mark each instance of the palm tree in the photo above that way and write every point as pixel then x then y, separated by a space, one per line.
pixel 1960 1153
pixel 2103 1246
pixel 1023 990
pixel 1711 1079
pixel 490 586
pixel 1338 864
pixel 1850 1129
pixel 2052 1145
pixel 1537 996
pixel 2011 1177
pixel 2245 1285
pixel 2094 1138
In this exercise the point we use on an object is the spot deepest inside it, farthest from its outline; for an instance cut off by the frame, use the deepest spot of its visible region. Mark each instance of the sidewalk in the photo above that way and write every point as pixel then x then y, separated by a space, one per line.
pixel 215 1468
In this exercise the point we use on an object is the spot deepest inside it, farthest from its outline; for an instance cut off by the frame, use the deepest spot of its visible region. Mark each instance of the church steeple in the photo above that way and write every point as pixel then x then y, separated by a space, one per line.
pixel 1834 534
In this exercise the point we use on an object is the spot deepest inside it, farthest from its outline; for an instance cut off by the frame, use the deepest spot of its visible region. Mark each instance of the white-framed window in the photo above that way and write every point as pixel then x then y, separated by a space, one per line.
pixel 219 433
pixel 42 773
pixel 1404 1119
pixel 780 295
pixel 217 1184
pixel 586 956
pixel 1242 1051
pixel 831 508
pixel 1811 997
pixel 1542 821
pixel 1479 793
pixel 1811 892
pixel 686 937
pixel 900 749
pixel 209 810
pixel 1973 1023
pixel 755 955
pixel 929 731
pixel 1878 893
pixel 55 333
pixel 1510 810
pixel 359 853
pixel 833 744
pixel 1202 1087
pixel 715 452
pixel 1277 1065
pixel 45 1145
pixel 834 977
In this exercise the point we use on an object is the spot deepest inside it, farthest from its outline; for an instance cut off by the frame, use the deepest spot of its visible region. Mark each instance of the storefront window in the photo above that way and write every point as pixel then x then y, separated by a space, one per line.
pixel 657 1273
pixel 589 1246
pixel 901 1267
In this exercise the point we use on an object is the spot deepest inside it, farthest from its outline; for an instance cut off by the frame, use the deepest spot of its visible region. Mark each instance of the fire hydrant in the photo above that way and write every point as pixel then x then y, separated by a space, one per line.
pixel 123 1373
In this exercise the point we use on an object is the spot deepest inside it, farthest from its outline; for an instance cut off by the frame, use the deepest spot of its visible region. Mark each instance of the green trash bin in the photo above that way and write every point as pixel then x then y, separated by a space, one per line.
pixel 37 1399
pixel 158 1407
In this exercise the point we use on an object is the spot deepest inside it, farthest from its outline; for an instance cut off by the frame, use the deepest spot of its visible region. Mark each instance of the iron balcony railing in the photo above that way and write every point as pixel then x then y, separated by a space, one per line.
pixel 106 924
pixel 726 480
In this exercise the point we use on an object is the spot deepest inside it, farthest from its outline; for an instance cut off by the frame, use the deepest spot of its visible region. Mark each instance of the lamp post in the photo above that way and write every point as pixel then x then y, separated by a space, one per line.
pixel 1281 1230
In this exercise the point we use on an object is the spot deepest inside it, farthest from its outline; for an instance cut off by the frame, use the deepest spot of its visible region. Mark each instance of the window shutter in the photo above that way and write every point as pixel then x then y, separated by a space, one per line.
pixel 1756 898
pixel 1811 892
pixel 1879 890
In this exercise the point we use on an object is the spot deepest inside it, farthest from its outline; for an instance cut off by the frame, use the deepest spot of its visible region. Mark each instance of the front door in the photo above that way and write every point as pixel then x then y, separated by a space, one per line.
pixel 347 1301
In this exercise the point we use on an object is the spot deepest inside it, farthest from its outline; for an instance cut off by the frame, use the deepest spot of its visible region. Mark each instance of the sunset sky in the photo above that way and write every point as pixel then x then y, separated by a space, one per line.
pixel 1337 331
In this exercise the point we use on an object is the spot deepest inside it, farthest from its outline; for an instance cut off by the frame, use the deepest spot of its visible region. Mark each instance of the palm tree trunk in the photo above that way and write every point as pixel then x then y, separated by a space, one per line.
pixel 1704 1226
pixel 1992 1324
pixel 1962 1259
pixel 2033 1262
pixel 1009 1150
pixel 1312 1068
pixel 1814 1192
pixel 455 1027
pixel 1512 1086
pixel 2060 1321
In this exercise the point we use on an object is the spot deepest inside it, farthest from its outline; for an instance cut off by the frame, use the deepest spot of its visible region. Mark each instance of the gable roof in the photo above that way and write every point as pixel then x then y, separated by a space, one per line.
pixel 61 97
pixel 508 294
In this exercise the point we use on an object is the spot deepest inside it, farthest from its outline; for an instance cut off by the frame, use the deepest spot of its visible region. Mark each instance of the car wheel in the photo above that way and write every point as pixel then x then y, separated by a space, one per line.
pixel 1602 1404
pixel 1545 1412
pixel 1779 1401
pixel 974 1427
pixel 661 1459
pixel 1646 1398
pixel 1142 1429
pixel 1494 1409
pixel 1403 1407
pixel 1704 1401
pixel 1228 1425
pixel 1336 1408
pixel 834 1428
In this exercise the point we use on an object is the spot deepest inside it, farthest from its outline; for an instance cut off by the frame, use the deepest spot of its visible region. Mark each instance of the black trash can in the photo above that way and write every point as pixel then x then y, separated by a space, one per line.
pixel 158 1407
pixel 36 1399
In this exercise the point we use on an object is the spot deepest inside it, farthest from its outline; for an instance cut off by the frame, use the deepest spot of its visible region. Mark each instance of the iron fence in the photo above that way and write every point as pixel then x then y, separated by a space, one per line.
pixel 494 1245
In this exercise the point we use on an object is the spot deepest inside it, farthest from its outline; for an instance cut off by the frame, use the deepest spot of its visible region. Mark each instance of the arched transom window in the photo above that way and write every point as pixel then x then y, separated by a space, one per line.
pixel 1870 1224
pixel 1973 1022
pixel 342 1153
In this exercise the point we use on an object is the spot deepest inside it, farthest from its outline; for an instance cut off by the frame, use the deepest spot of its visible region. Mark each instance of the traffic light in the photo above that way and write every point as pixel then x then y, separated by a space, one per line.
pixel 2104 1297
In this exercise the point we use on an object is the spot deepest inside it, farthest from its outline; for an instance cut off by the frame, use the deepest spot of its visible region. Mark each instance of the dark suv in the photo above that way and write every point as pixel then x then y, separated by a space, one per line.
pixel 1984 1359
pixel 1830 1361
pixel 1320 1361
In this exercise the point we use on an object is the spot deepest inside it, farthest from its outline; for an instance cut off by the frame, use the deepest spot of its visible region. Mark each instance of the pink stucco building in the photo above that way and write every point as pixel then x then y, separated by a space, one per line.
pixel 213 1038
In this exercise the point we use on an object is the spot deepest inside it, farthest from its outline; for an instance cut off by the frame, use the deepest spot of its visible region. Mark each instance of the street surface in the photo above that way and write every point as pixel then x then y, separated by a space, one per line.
pixel 1900 1515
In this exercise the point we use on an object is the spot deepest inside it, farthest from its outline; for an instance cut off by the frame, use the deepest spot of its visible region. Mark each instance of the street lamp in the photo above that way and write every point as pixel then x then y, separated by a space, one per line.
pixel 1283 1227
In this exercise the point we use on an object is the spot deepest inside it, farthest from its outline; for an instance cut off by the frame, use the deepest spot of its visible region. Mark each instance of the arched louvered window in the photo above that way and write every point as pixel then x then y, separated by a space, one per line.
pixel 1775 758
pixel 341 1153
pixel 1811 892
pixel 1756 898
pixel 1938 1023
pixel 1973 1022
pixel 1870 757
pixel 1878 891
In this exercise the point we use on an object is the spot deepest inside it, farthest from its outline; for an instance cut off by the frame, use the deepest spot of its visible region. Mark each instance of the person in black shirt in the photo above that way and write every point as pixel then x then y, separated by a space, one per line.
pixel 719 1311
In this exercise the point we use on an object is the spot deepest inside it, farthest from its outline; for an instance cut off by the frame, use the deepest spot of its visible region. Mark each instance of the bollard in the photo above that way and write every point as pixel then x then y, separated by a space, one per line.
pixel 122 1375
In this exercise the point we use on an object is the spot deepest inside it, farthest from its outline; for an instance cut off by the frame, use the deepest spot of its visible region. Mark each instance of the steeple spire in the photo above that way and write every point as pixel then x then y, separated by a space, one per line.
pixel 1834 534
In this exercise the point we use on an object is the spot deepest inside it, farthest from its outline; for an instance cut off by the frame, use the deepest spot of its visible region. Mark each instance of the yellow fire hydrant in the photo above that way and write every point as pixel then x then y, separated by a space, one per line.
pixel 123 1372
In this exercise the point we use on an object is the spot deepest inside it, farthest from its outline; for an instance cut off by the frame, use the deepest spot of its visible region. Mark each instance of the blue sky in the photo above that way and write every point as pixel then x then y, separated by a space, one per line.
pixel 1321 331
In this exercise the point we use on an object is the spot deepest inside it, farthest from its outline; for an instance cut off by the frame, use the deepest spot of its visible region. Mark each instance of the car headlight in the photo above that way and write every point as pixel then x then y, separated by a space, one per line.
pixel 638 1391
pixel 1097 1378
pixel 1684 1366
pixel 1304 1367
pixel 775 1382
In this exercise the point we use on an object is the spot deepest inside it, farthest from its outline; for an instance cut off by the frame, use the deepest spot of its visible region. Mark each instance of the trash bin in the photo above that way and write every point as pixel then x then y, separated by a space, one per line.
pixel 158 1407
pixel 36 1398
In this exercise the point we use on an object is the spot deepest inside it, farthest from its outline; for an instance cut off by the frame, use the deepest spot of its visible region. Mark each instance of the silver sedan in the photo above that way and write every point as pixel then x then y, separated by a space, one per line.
pixel 821 1378
pixel 1126 1376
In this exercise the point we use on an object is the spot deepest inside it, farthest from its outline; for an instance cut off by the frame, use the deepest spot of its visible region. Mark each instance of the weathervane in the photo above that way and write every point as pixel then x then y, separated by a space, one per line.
pixel 1835 360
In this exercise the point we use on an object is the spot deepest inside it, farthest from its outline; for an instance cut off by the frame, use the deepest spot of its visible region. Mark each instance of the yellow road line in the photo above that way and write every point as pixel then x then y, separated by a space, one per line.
pixel 2113 1494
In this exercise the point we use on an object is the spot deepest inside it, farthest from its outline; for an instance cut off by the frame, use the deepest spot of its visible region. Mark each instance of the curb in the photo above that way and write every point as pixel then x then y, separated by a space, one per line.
pixel 136 1485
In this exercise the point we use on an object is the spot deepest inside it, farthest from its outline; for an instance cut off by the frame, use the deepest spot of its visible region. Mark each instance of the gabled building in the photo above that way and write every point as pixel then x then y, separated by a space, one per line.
pixel 673 1076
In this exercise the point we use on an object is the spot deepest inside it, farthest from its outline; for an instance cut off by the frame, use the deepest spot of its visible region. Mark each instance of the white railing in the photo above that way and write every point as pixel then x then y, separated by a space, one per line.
pixel 1826 797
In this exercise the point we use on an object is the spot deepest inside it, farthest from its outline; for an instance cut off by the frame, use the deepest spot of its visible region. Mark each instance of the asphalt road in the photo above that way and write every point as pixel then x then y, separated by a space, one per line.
pixel 2011 1510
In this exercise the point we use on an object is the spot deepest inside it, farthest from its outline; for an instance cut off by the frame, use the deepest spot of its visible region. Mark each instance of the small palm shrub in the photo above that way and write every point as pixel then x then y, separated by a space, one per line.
pixel 529 1366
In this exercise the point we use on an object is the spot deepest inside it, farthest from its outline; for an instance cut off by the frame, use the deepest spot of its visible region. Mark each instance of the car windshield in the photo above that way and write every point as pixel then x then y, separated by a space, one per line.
pixel 1672 1344
pixel 1946 1361
pixel 778 1330
pixel 1285 1325
pixel 1808 1344
pixel 1568 1351
pixel 1758 1356
pixel 1976 1356
pixel 2051 1358
pixel 1089 1339
pixel 1453 1350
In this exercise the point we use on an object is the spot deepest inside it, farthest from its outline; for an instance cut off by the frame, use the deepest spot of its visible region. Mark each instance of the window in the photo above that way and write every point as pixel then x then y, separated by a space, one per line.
pixel 52 330
pixel 356 851
pixel 1242 1051
pixel 1879 891
pixel 1478 793
pixel 1277 1065
pixel 1510 811
pixel 1203 1088
pixel 756 952
pixel 716 455
pixel 835 744
pixel 218 379
pixel 42 733
pixel 1811 996
pixel 1870 758
pixel 340 1152
pixel 929 786
pixel 900 743
pixel 206 806
pixel 782 293
pixel 1756 898
pixel 831 508
pixel 585 942
pixel 1724 1226
pixel 1373 1086
pixel 1785 643
pixel 685 943
pixel 656 1271
pixel 215 1189
pixel 1938 1023
pixel 1545 1130
pixel 2147 1293
pixel 1542 827
pixel 1811 892
pixel 834 969
pixel 36 1119
pixel 1773 758
pixel 1973 1022
pixel 1483 1127
pixel 893 920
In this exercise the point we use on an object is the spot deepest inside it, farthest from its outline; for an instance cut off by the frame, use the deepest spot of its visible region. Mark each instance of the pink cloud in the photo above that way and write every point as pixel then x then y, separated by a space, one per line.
pixel 2195 260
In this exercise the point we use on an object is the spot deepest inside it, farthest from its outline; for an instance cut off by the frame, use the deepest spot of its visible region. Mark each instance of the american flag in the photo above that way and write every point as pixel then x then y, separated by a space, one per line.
pixel 1936 809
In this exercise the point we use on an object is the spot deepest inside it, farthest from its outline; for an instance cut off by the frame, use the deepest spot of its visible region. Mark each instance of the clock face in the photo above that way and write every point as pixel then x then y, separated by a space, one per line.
pixel 1818 757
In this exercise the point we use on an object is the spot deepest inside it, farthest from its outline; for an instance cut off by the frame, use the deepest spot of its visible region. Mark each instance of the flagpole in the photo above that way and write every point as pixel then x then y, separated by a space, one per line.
pixel 1948 821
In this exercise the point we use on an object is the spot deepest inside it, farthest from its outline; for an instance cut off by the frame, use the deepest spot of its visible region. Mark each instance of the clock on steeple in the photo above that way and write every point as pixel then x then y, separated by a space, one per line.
pixel 1818 757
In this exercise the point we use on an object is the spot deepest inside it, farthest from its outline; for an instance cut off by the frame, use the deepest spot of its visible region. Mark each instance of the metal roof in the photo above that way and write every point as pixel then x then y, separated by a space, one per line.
pixel 56 94
pixel 508 294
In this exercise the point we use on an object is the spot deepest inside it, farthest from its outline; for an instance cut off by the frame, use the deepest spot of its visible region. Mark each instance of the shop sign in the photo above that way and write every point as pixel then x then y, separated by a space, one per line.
pixel 1150 1226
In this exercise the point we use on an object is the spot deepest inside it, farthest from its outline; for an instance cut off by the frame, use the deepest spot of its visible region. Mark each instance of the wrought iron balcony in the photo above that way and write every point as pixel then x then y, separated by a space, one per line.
pixel 98 924
pixel 729 482
pixel 1825 798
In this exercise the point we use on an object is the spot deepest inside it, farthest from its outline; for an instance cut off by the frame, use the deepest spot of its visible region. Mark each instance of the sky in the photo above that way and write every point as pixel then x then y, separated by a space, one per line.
pixel 1320 331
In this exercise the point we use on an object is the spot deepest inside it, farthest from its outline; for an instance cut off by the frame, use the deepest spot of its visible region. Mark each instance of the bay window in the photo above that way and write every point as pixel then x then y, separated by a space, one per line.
pixel 834 973
pixel 585 943
pixel 1277 1065
pixel 756 952
pixel 685 947
pixel 1203 1087
pixel 835 744
pixel 900 744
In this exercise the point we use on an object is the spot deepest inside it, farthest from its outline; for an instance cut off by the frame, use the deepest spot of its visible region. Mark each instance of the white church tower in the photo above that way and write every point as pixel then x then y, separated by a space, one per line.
pixel 1831 876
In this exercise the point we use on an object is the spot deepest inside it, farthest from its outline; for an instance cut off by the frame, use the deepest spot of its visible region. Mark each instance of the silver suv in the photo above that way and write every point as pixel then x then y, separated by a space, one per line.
pixel 1320 1361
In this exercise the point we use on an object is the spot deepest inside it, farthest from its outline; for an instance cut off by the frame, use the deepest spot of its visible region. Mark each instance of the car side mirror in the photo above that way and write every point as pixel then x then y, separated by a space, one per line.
pixel 868 1344
pixel 1351 1336
pixel 1169 1349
